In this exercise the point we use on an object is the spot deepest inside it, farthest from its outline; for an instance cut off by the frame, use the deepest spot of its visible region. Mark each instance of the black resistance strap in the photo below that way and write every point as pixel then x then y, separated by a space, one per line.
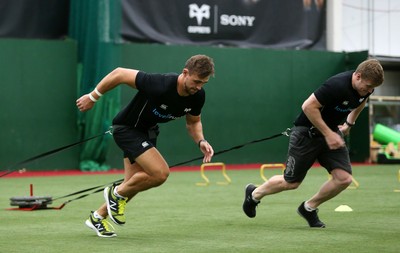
pixel 100 188
pixel 10 169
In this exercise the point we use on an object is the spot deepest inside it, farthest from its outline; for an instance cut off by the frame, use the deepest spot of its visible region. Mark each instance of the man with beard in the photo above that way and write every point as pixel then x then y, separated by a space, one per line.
pixel 160 98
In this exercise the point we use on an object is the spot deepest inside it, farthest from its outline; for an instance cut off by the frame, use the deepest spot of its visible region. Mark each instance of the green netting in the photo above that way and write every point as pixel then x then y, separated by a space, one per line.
pixel 93 24
pixel 90 165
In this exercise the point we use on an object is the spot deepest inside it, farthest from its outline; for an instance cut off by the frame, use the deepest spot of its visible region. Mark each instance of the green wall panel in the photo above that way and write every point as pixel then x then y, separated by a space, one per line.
pixel 38 93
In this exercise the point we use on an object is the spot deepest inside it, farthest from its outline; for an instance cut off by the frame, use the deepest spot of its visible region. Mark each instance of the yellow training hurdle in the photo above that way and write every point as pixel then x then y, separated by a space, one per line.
pixel 354 184
pixel 207 181
pixel 270 166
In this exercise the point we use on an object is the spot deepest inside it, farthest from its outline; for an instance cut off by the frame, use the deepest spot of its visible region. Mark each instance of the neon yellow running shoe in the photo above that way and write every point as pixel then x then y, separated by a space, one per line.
pixel 115 206
pixel 101 226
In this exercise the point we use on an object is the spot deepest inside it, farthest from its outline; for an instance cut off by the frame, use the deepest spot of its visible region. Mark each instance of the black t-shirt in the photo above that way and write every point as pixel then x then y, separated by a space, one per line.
pixel 158 101
pixel 338 99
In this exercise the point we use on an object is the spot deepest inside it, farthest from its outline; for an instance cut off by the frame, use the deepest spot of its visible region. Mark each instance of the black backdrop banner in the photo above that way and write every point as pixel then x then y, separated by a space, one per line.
pixel 37 19
pixel 292 24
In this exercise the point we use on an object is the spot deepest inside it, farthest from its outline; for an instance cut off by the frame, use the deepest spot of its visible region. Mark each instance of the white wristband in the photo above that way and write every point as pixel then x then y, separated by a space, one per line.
pixel 92 98
pixel 97 92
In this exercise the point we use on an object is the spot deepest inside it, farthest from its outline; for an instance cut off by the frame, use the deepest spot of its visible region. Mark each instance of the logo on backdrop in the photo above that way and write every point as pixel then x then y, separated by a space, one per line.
pixel 199 13
pixel 224 20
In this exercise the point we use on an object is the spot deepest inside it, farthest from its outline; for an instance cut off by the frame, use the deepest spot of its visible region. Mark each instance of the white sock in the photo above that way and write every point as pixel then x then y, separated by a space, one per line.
pixel 97 215
pixel 254 199
pixel 116 193
pixel 308 208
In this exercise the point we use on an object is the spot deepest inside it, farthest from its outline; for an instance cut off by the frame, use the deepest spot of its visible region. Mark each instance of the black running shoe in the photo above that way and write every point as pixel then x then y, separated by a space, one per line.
pixel 249 205
pixel 310 217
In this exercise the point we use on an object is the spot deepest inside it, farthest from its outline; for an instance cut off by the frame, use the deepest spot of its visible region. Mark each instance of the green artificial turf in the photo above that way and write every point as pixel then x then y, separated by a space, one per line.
pixel 182 217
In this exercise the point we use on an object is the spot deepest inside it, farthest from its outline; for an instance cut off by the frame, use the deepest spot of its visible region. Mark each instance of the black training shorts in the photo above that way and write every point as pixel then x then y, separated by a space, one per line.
pixel 134 141
pixel 305 149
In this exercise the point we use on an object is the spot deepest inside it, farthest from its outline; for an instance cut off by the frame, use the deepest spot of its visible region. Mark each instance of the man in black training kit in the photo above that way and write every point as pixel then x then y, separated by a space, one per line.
pixel 327 115
pixel 160 98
